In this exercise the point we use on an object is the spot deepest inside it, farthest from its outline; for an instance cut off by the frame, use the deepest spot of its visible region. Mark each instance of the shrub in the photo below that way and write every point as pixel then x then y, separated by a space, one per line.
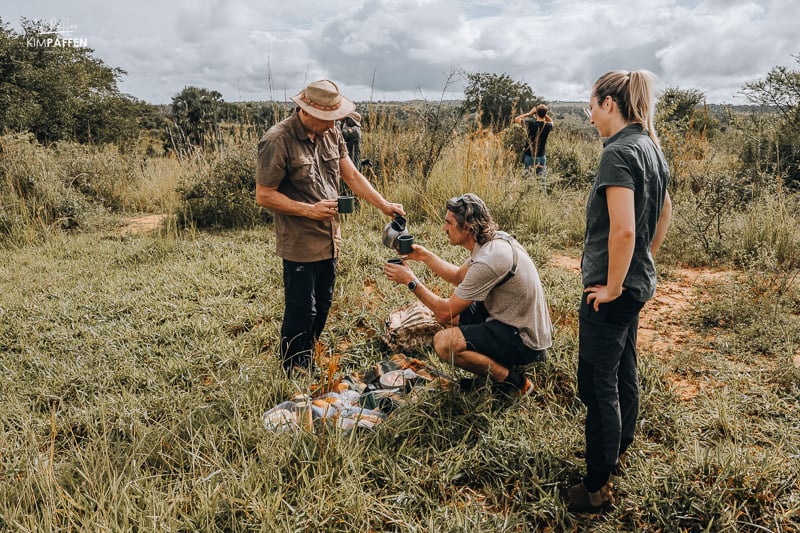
pixel 514 139
pixel 224 198
pixel 100 173
pixel 33 196
pixel 770 226
pixel 573 157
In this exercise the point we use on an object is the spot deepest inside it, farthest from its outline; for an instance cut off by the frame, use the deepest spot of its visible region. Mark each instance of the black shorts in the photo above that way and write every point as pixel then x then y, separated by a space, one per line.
pixel 496 340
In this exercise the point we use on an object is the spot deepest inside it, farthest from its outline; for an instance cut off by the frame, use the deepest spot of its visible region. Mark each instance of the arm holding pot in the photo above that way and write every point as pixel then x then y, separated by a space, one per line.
pixel 364 189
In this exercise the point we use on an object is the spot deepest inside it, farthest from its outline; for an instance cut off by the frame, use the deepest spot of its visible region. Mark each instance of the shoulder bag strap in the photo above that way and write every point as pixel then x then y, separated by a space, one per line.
pixel 510 274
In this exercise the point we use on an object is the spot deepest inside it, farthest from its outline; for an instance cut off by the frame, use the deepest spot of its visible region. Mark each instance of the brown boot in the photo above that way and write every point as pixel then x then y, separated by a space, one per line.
pixel 580 500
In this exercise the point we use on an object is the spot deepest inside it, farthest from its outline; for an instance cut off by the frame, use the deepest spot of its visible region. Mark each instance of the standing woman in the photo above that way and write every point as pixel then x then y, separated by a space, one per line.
pixel 627 215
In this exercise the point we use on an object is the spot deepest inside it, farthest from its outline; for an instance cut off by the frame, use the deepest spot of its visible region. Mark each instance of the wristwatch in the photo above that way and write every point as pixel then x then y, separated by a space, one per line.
pixel 413 284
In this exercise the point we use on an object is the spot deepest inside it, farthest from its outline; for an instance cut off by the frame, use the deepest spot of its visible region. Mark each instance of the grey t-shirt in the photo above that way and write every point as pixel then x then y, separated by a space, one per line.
pixel 519 302
pixel 632 160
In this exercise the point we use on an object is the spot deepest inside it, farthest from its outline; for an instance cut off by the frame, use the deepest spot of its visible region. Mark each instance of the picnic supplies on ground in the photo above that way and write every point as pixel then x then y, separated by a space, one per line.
pixel 290 416
pixel 410 328
pixel 361 399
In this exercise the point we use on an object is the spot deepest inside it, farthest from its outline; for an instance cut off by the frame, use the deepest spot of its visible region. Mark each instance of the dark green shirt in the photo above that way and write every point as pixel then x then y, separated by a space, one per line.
pixel 632 160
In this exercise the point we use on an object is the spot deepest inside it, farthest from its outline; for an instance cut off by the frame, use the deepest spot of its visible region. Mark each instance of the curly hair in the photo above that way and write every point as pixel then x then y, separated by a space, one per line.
pixel 472 214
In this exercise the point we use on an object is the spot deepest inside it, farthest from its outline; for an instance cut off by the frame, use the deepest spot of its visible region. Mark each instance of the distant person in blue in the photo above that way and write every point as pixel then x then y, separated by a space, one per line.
pixel 538 125
pixel 627 216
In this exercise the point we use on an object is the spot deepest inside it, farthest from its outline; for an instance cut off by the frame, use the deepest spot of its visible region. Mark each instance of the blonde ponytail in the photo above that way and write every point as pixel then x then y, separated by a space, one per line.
pixel 634 93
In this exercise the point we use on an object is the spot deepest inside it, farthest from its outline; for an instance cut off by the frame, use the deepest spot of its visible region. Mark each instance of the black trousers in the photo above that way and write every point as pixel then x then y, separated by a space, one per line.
pixel 308 294
pixel 608 382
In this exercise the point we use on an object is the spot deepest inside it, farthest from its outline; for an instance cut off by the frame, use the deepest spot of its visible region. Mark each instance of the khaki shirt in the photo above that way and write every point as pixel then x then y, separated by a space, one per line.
pixel 305 171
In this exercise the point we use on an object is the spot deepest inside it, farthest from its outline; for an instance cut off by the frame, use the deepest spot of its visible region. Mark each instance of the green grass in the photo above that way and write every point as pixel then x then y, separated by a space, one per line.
pixel 135 371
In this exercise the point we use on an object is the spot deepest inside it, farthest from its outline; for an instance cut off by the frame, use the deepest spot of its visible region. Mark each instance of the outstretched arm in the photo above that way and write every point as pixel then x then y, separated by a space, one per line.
pixel 445 309
pixel 364 189
pixel 452 274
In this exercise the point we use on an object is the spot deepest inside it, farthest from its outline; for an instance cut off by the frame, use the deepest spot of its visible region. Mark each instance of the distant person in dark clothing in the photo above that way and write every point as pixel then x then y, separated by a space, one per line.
pixel 351 131
pixel 538 125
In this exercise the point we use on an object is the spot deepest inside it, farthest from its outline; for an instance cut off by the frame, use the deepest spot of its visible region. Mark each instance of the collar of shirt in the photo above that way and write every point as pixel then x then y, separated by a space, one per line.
pixel 299 129
pixel 630 129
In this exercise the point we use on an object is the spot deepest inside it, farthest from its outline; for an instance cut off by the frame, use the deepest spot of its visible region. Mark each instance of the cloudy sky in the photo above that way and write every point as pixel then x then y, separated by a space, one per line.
pixel 405 49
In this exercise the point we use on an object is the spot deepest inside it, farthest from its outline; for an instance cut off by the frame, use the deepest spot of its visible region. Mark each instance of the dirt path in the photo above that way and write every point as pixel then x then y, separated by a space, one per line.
pixel 142 224
pixel 662 328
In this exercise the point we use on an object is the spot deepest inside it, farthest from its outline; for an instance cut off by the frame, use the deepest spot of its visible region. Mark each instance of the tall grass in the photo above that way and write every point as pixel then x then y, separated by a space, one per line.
pixel 133 396
pixel 136 368
pixel 481 163
pixel 69 187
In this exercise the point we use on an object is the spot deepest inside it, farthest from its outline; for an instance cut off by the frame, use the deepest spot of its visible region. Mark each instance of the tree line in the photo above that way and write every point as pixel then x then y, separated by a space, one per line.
pixel 65 93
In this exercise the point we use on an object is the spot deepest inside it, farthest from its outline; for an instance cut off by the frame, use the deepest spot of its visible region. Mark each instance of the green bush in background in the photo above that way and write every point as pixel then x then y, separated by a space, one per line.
pixel 222 196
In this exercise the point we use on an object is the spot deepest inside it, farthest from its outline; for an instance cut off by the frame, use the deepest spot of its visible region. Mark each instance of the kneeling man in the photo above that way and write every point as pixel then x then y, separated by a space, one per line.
pixel 497 313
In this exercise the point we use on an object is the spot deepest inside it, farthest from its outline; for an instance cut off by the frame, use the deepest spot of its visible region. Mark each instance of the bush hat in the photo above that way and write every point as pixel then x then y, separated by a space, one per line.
pixel 356 116
pixel 322 100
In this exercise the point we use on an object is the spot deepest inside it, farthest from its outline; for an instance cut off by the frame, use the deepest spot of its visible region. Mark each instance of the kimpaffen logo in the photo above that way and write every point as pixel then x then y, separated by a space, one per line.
pixel 61 36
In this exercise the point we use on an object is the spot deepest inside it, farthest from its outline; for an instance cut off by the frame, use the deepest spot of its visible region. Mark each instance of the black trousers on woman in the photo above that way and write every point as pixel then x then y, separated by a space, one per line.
pixel 608 382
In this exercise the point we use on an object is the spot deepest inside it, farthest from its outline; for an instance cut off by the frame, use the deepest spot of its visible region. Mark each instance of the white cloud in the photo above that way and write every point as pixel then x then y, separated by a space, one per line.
pixel 395 49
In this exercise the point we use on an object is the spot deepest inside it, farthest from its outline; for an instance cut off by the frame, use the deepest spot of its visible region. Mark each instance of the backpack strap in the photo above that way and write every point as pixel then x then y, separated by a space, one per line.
pixel 510 274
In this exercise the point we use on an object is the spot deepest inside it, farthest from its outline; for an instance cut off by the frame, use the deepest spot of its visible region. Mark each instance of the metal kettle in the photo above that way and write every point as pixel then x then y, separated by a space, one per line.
pixel 393 231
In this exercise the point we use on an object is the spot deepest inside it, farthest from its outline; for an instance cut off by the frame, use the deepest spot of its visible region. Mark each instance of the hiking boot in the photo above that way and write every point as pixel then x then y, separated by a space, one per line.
pixel 526 389
pixel 515 385
pixel 472 384
pixel 580 500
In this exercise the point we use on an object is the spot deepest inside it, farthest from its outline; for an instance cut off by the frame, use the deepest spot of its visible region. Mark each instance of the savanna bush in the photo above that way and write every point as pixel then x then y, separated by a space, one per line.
pixel 101 173
pixel 573 157
pixel 514 139
pixel 392 147
pixel 222 196
pixel 410 142
pixel 34 196
pixel 706 205
pixel 770 226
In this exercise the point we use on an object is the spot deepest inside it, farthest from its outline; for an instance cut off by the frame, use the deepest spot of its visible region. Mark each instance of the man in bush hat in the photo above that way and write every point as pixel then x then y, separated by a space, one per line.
pixel 300 162
pixel 497 315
